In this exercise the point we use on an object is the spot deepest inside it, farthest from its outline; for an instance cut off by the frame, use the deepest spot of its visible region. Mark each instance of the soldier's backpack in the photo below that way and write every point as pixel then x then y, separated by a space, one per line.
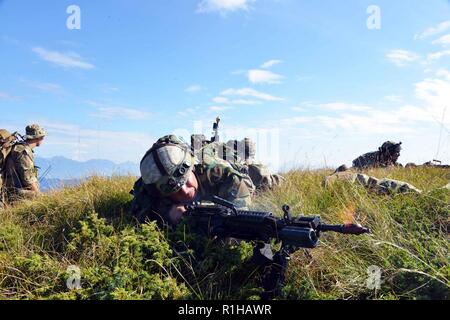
pixel 7 141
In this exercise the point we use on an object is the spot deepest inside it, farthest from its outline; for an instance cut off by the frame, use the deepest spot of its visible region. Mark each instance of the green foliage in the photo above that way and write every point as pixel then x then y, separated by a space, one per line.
pixel 90 227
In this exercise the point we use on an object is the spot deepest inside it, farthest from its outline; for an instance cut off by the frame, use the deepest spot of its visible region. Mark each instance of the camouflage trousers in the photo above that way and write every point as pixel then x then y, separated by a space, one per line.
pixel 16 195
pixel 383 186
pixel 2 197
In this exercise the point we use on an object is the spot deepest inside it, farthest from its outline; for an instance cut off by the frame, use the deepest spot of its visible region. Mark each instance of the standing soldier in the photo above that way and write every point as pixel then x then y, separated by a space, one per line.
pixel 21 180
pixel 171 177
pixel 386 156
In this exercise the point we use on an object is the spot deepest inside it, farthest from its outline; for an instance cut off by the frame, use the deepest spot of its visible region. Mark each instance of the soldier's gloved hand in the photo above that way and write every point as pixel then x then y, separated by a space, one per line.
pixel 176 213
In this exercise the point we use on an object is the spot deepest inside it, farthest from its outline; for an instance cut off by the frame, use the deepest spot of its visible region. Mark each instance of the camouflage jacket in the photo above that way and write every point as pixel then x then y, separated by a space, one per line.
pixel 383 186
pixel 372 160
pixel 216 177
pixel 20 172
pixel 2 194
pixel 259 173
pixel 261 176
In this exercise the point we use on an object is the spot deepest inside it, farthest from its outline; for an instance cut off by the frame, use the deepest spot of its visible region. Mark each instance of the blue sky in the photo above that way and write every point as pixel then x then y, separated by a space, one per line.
pixel 308 80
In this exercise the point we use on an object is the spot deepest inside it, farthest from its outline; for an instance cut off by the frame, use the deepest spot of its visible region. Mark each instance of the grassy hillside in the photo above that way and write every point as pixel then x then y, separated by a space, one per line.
pixel 89 226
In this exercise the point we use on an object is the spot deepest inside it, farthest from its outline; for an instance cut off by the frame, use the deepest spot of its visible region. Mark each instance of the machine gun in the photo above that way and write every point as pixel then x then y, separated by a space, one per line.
pixel 215 137
pixel 430 164
pixel 436 164
pixel 198 141
pixel 223 220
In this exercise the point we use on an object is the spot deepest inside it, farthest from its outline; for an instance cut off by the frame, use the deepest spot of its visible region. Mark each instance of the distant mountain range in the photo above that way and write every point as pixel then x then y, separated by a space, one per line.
pixel 64 168
pixel 60 171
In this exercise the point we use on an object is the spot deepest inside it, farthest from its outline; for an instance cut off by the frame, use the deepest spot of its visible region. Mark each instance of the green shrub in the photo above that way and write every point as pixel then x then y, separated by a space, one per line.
pixel 90 227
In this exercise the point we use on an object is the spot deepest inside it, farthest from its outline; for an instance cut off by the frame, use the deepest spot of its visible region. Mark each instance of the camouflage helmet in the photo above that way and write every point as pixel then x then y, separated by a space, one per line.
pixel 391 146
pixel 34 131
pixel 167 165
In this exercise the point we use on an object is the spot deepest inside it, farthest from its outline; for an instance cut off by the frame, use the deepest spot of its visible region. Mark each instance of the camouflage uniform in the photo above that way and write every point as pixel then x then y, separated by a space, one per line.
pixel 215 176
pixel 2 194
pixel 20 172
pixel 241 154
pixel 383 186
pixel 378 158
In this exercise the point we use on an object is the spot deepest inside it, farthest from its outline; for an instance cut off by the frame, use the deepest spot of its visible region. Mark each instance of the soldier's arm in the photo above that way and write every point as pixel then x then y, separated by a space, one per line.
pixel 262 178
pixel 235 186
pixel 27 172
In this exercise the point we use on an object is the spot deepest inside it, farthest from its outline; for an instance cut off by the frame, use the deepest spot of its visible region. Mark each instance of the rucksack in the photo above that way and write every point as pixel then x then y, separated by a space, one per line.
pixel 7 141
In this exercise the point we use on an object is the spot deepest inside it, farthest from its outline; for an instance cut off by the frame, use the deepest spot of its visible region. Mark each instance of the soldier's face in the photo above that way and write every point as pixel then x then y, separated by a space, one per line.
pixel 39 142
pixel 188 192
pixel 395 156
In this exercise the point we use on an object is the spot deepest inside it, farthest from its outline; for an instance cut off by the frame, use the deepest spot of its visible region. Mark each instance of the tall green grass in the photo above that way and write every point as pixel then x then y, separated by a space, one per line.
pixel 90 226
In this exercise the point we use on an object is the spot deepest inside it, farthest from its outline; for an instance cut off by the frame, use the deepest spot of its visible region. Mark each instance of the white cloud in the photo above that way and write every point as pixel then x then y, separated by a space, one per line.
pixel 8 97
pixel 402 58
pixel 438 55
pixel 249 92
pixel 371 123
pixel 43 86
pixel 435 93
pixel 110 112
pixel 341 106
pixel 366 120
pixel 246 102
pixel 194 88
pixel 46 86
pixel 433 96
pixel 65 60
pixel 434 30
pixel 298 109
pixel 270 63
pixel 220 100
pixel 223 6
pixel 219 108
pixel 443 41
pixel 443 73
pixel 188 112
pixel 224 100
pixel 108 88
pixel 257 76
pixel 394 98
